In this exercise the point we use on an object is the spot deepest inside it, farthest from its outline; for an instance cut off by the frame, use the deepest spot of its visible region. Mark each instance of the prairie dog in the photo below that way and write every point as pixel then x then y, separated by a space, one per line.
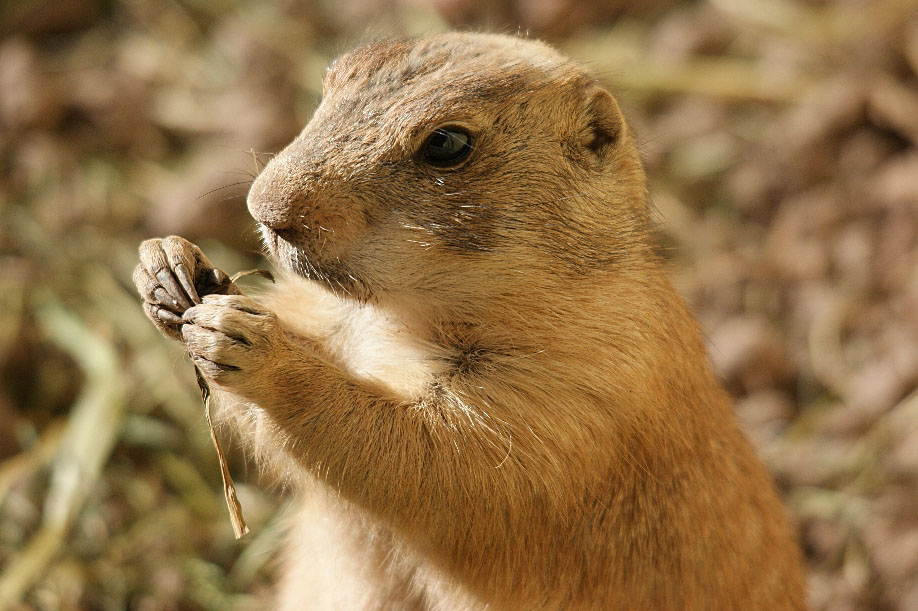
pixel 475 367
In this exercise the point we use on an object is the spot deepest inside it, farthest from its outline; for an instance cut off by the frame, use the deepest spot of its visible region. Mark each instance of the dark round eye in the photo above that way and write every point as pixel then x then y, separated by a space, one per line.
pixel 446 146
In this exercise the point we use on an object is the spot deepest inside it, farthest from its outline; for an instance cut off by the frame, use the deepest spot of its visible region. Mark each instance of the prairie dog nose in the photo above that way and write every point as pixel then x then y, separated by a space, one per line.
pixel 278 195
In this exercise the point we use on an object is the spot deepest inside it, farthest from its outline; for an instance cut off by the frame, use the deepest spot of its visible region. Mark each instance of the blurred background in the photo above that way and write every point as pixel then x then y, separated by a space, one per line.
pixel 780 140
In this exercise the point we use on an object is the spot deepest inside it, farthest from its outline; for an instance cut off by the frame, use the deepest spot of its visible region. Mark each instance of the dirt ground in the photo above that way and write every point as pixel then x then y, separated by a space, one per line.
pixel 781 139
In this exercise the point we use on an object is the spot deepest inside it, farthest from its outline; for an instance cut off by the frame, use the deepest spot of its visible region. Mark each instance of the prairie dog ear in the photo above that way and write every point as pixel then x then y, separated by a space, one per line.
pixel 602 120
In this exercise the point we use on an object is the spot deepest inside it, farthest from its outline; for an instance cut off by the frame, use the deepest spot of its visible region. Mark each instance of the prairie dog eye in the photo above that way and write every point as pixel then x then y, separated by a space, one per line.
pixel 446 146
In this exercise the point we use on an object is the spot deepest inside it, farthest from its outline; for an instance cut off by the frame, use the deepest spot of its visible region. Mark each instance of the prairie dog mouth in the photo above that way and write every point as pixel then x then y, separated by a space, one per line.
pixel 333 274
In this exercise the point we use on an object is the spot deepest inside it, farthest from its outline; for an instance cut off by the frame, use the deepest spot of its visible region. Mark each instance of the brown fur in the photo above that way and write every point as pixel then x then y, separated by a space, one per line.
pixel 488 388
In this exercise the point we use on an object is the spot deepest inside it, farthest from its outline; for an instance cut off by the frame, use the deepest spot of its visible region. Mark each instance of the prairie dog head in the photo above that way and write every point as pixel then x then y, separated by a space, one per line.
pixel 453 170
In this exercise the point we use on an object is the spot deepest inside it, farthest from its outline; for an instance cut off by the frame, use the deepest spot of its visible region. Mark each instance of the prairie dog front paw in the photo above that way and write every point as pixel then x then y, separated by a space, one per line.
pixel 173 275
pixel 231 338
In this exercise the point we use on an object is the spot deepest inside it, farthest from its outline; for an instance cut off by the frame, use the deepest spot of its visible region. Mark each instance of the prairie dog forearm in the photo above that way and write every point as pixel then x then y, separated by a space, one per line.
pixel 401 459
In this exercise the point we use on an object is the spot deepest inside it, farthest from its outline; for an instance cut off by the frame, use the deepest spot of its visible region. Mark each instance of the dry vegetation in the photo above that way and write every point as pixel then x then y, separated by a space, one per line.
pixel 781 140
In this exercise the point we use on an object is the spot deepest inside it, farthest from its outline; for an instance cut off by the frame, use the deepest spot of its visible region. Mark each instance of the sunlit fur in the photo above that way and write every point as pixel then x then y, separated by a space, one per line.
pixel 491 395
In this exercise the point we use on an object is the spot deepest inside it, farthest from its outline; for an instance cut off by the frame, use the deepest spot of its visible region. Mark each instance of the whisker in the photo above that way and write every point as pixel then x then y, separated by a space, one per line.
pixel 235 184
pixel 241 172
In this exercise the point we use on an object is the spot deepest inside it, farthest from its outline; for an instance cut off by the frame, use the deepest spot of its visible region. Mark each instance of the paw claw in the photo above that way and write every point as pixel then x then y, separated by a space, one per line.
pixel 166 316
pixel 184 278
pixel 188 315
pixel 165 299
pixel 211 370
pixel 167 280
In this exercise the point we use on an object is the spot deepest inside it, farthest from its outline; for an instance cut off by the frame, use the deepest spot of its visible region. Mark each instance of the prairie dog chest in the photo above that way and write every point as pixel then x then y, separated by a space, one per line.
pixel 361 339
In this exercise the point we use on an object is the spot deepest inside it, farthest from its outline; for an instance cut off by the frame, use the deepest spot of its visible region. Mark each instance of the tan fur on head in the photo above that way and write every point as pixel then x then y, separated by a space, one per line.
pixel 481 371
pixel 554 175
